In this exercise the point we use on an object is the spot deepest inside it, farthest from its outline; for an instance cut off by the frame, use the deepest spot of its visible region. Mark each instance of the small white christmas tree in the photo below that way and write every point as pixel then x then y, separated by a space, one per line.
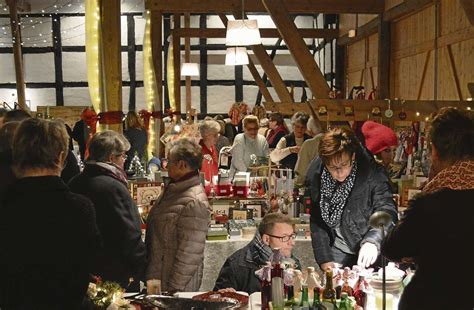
pixel 136 166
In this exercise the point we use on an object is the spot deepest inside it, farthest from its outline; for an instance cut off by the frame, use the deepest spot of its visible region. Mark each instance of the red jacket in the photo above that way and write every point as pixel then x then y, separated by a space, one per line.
pixel 209 161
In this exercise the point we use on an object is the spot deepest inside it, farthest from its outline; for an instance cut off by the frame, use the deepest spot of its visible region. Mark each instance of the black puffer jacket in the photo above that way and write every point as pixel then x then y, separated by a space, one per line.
pixel 371 193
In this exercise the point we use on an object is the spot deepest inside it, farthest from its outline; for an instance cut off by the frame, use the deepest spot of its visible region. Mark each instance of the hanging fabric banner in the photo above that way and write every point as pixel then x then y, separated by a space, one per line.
pixel 93 38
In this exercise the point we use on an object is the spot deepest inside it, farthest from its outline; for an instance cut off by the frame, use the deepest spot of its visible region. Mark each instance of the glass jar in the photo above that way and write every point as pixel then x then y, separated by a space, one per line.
pixel 393 288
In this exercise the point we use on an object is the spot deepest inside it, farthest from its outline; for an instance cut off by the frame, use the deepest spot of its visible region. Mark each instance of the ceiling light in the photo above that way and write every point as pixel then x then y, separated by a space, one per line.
pixel 190 69
pixel 242 32
pixel 236 56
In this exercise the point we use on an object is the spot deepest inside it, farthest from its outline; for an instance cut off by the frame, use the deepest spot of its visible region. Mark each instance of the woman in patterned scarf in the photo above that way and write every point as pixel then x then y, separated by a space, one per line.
pixel 346 186
pixel 438 227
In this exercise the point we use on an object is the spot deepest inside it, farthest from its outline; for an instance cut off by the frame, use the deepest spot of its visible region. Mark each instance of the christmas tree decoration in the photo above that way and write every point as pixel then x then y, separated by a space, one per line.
pixel 136 166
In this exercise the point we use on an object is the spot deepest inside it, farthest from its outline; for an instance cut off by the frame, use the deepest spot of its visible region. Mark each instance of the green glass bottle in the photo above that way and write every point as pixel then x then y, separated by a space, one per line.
pixel 290 299
pixel 305 297
pixel 345 303
pixel 329 293
pixel 317 301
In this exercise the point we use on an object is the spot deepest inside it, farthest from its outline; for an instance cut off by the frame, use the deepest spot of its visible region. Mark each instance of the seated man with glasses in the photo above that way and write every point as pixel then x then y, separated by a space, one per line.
pixel 238 273
pixel 346 186
pixel 247 144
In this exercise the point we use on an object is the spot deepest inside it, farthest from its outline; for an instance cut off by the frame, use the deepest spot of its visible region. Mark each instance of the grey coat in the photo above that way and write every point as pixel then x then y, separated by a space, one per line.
pixel 176 235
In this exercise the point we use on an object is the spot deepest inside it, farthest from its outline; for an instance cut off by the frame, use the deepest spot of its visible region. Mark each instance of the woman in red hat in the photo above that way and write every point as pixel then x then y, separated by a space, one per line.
pixel 381 141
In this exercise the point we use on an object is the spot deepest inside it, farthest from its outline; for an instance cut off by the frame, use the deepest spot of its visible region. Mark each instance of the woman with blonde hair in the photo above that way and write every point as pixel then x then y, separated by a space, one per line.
pixel 136 134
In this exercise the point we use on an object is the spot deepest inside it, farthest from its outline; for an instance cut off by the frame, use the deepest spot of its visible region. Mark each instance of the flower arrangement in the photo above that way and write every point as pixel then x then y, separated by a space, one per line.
pixel 107 296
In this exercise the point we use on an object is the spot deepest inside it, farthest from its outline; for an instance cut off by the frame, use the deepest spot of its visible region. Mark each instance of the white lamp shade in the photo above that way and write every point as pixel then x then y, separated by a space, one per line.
pixel 242 32
pixel 236 56
pixel 190 69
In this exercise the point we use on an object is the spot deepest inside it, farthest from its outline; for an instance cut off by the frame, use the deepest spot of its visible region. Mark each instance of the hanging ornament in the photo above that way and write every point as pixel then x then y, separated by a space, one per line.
pixel 389 112
pixel 402 115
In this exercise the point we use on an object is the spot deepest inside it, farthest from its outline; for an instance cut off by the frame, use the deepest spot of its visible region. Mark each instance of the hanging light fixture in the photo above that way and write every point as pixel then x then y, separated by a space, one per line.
pixel 242 32
pixel 236 56
pixel 190 69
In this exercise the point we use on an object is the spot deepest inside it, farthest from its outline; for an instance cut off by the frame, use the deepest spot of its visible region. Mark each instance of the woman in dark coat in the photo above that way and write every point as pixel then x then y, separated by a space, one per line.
pixel 104 182
pixel 346 186
pixel 136 134
pixel 48 235
pixel 437 230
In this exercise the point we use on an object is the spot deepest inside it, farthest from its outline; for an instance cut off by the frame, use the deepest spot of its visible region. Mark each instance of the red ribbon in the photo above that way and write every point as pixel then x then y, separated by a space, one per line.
pixel 111 117
pixel 146 115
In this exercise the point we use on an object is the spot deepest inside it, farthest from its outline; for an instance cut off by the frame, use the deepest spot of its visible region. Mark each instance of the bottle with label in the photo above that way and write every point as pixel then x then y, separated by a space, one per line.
pixel 304 304
pixel 360 293
pixel 329 293
pixel 298 283
pixel 312 280
pixel 346 288
pixel 277 280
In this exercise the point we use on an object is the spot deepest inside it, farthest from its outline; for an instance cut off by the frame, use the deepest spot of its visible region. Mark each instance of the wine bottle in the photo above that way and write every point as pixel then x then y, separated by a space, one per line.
pixel 329 293
pixel 345 303
pixel 317 299
pixel 305 298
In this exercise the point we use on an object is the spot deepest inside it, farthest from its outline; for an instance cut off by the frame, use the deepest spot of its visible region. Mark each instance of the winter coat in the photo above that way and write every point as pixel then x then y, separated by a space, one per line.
pixel 371 193
pixel 48 241
pixel 437 231
pixel 123 255
pixel 176 234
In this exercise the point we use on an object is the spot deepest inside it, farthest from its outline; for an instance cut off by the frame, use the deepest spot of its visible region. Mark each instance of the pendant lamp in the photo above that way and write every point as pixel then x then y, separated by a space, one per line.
pixel 236 56
pixel 242 32
pixel 190 69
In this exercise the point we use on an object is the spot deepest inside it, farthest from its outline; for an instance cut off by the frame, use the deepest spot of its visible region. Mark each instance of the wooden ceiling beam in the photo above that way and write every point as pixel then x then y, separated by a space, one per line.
pixel 255 6
pixel 264 33
pixel 300 52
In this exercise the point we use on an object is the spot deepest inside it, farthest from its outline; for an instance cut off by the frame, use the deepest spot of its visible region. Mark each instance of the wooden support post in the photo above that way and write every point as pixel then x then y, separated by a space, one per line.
pixel 58 59
pixel 203 67
pixel 166 43
pixel 177 67
pixel 187 57
pixel 111 59
pixel 340 68
pixel 423 75
pixel 17 55
pixel 131 51
pixel 383 72
pixel 300 52
pixel 156 19
pixel 253 70
pixel 454 72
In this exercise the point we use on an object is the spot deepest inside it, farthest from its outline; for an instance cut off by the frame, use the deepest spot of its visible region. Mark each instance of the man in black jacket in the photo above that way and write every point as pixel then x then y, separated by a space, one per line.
pixel 238 273
pixel 346 186
pixel 437 231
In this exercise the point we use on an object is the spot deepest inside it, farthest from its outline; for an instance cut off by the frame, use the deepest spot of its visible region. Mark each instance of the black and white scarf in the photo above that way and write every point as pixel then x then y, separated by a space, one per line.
pixel 334 196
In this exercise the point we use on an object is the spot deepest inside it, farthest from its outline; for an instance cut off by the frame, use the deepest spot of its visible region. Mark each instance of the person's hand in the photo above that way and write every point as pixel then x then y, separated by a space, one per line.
pixel 227 290
pixel 327 266
pixel 367 255
pixel 295 149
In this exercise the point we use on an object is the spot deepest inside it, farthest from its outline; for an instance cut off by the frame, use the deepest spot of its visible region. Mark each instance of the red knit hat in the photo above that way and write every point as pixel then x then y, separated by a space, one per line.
pixel 378 137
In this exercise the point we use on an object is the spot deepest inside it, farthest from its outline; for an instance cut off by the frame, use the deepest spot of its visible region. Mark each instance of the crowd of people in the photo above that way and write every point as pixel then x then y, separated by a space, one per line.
pixel 57 230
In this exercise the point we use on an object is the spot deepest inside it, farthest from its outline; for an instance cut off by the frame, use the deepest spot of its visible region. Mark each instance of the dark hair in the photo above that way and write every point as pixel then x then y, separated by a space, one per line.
pixel 269 221
pixel 16 115
pixel 452 133
pixel 336 142
pixel 187 150
pixel 3 112
pixel 277 117
pixel 6 136
pixel 133 121
pixel 38 143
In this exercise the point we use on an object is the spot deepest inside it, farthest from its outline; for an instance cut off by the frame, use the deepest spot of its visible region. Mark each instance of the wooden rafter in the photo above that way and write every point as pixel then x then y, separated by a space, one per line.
pixel 177 67
pixel 363 108
pixel 302 56
pixel 255 6
pixel 264 33
pixel 454 72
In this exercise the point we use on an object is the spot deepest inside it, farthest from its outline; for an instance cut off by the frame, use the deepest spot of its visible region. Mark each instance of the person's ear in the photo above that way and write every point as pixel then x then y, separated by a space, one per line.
pixel 62 158
pixel 266 239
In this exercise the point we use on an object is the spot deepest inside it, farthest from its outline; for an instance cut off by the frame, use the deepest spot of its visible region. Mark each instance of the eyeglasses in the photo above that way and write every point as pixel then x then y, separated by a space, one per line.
pixel 284 238
pixel 123 155
pixel 343 166
pixel 251 128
